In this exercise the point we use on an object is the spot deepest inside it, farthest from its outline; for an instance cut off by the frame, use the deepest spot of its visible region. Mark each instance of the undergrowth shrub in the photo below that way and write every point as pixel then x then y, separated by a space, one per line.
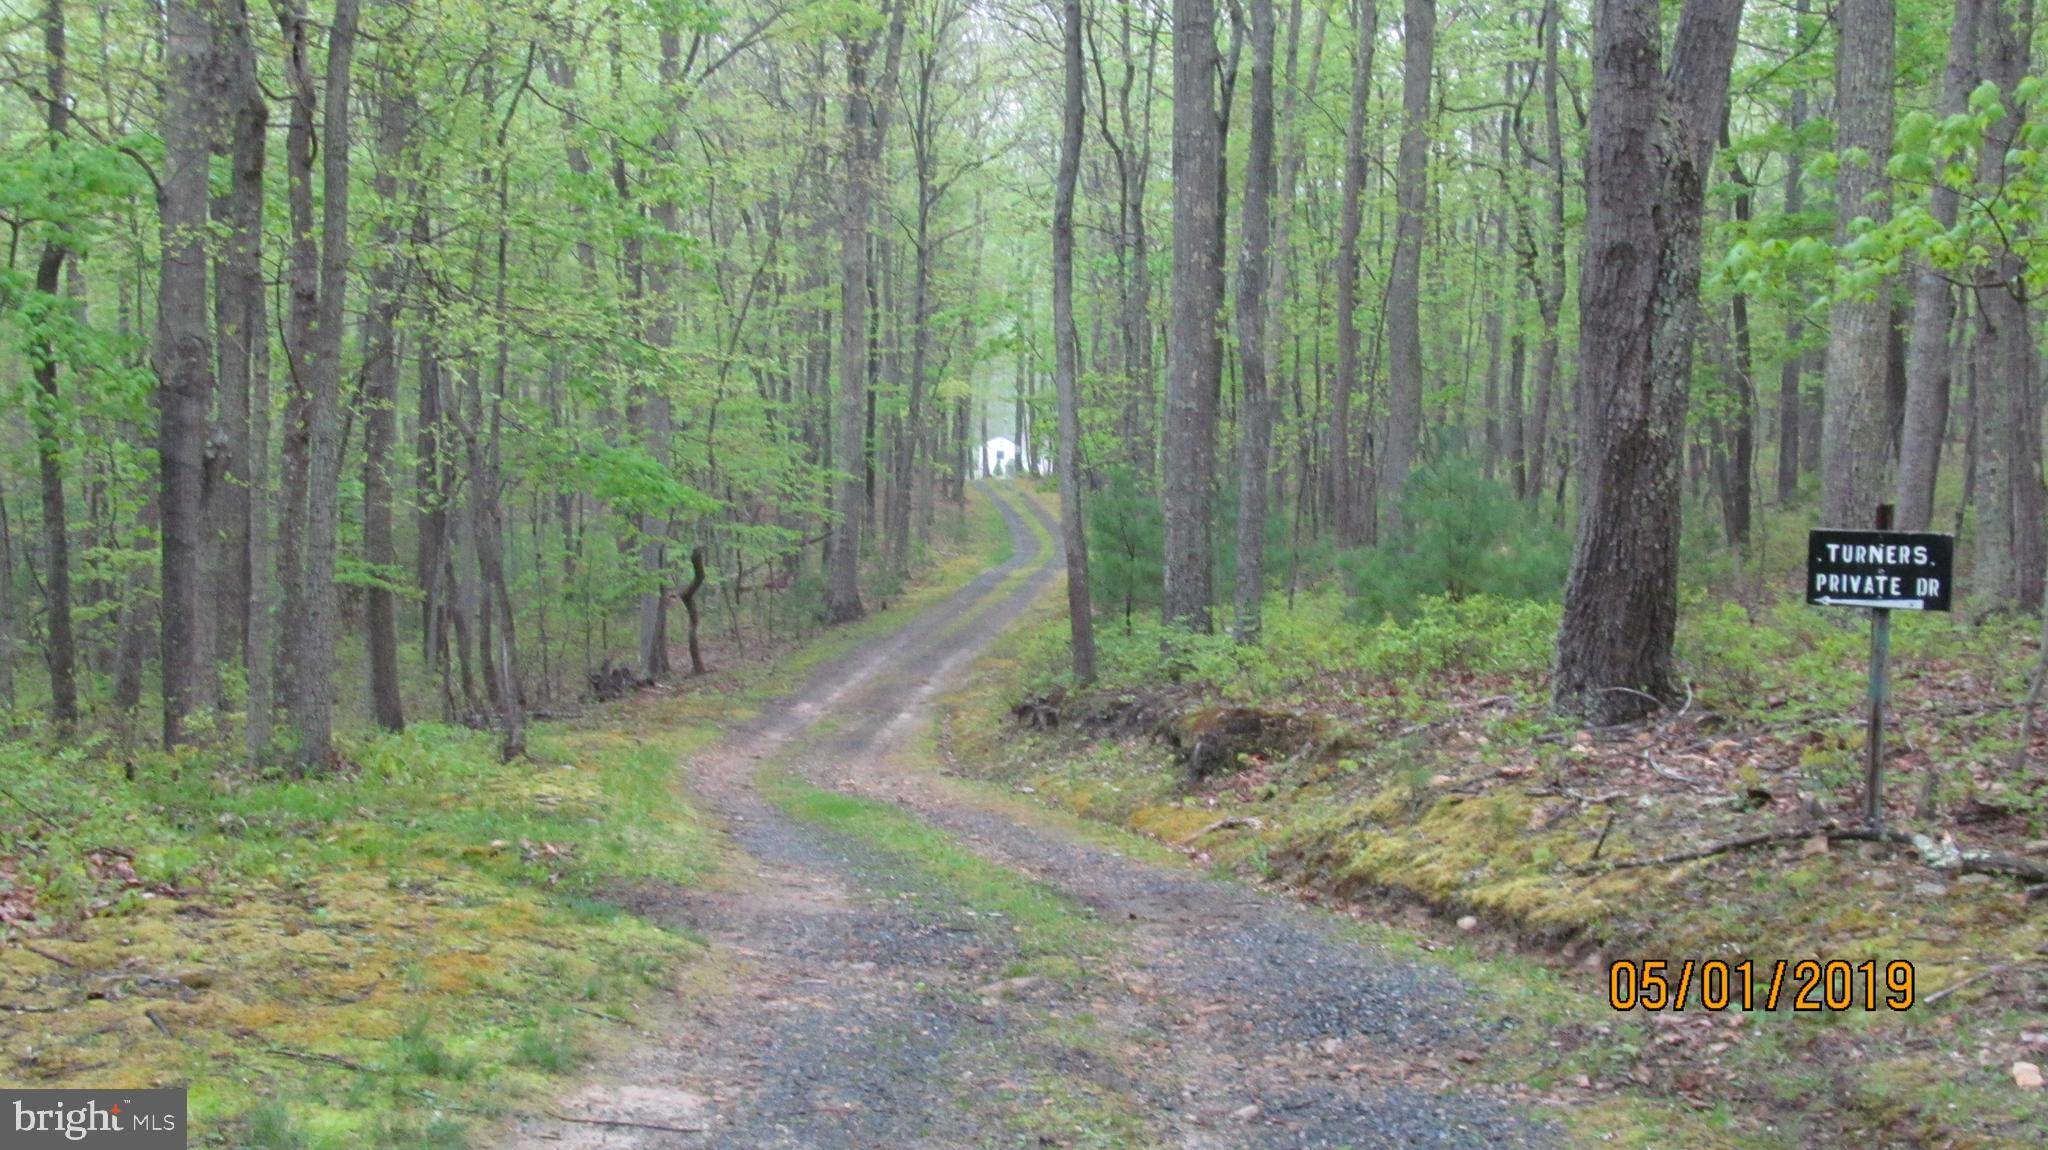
pixel 1461 535
pixel 1126 545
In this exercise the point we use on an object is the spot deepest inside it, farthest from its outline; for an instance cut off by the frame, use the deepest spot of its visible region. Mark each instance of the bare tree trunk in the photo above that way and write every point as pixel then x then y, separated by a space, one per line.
pixel 259 657
pixel 1404 284
pixel 1255 345
pixel 7 697
pixel 1365 28
pixel 1138 295
pixel 1736 492
pixel 184 356
pixel 316 364
pixel 61 651
pixel 2005 347
pixel 1501 302
pixel 867 116
pixel 1790 409
pixel 380 415
pixel 1927 364
pixel 1194 358
pixel 237 275
pixel 903 459
pixel 2009 309
pixel 689 600
pixel 1550 297
pixel 1067 354
pixel 1650 151
pixel 1853 433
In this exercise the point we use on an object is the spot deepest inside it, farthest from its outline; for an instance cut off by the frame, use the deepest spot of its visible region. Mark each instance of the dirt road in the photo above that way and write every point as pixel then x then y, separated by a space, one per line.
pixel 938 969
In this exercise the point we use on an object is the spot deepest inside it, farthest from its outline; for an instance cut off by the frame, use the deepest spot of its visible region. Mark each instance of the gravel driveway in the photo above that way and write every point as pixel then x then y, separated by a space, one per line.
pixel 864 1003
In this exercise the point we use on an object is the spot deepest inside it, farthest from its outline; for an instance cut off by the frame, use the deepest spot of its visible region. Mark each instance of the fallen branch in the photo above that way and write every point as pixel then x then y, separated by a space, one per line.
pixel 1604 828
pixel 1952 987
pixel 1763 840
pixel 314 1056
pixel 1663 772
pixel 1942 856
pixel 16 799
pixel 624 1124
pixel 39 952
pixel 1946 855
pixel 1231 822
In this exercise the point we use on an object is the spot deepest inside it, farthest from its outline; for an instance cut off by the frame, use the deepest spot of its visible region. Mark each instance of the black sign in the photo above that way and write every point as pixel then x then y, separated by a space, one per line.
pixel 1892 570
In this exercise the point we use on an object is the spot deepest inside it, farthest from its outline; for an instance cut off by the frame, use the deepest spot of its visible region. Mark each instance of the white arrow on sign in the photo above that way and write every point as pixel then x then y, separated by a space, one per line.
pixel 1882 604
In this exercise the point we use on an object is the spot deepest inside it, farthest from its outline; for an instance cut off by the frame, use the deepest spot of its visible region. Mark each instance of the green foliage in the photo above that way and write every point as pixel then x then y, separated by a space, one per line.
pixel 1462 535
pixel 1126 544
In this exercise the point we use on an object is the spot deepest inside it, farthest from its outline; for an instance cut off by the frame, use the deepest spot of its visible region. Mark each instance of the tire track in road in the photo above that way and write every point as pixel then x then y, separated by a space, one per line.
pixel 861 1013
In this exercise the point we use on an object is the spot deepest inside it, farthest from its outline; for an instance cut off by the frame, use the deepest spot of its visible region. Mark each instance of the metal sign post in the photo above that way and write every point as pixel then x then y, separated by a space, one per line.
pixel 1880 687
pixel 1883 571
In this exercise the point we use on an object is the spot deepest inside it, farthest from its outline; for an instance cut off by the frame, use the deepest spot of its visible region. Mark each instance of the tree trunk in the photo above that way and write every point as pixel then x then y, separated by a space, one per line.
pixel 1195 355
pixel 867 113
pixel 1741 433
pixel 689 600
pixel 238 329
pixel 316 364
pixel 1790 408
pixel 1404 284
pixel 184 356
pixel 380 416
pixel 1067 354
pixel 1853 432
pixel 7 623
pixel 1365 20
pixel 1254 343
pixel 61 651
pixel 1927 363
pixel 1550 298
pixel 2014 427
pixel 1649 154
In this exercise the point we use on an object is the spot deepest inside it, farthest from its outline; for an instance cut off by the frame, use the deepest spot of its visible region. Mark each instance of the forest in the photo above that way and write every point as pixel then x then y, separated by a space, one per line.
pixel 410 403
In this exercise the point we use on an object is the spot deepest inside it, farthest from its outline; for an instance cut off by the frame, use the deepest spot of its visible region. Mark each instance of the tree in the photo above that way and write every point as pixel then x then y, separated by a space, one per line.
pixel 1254 347
pixel 242 349
pixel 1650 150
pixel 1855 427
pixel 380 411
pixel 1790 404
pixel 1404 287
pixel 61 651
pixel 2009 540
pixel 1927 364
pixel 184 355
pixel 1365 18
pixel 1193 361
pixel 319 278
pixel 867 119
pixel 1550 288
pixel 1067 352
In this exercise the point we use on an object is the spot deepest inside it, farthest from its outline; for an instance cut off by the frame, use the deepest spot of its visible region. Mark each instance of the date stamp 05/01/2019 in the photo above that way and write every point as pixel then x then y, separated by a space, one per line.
pixel 1805 984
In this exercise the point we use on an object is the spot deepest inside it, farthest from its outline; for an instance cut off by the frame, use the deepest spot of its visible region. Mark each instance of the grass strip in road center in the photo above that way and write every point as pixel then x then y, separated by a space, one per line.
pixel 1051 932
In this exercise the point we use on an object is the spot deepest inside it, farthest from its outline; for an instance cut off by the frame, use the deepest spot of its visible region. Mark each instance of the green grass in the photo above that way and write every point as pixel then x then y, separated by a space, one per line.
pixel 1048 929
